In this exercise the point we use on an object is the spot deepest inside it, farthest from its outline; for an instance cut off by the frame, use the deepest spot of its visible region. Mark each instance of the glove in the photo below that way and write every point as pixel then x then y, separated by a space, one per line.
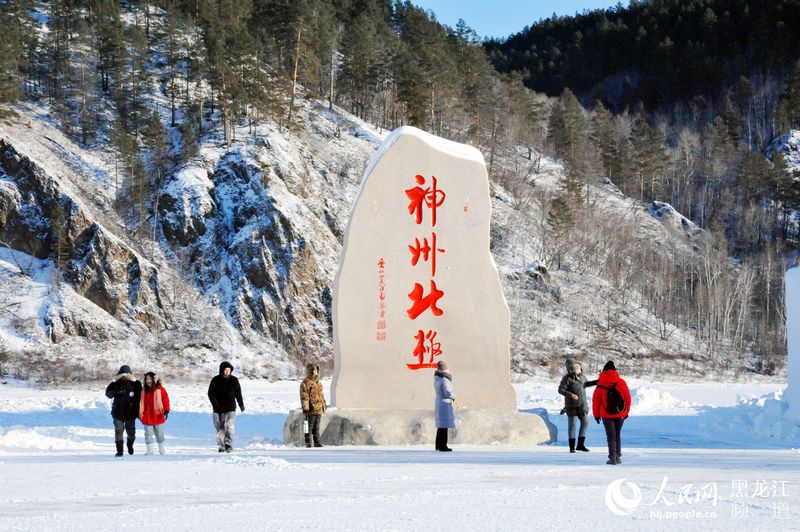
pixel 597 419
pixel 166 415
pixel 242 409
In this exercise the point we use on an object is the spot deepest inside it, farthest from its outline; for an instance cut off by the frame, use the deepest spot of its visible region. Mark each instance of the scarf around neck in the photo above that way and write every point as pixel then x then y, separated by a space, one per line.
pixel 158 404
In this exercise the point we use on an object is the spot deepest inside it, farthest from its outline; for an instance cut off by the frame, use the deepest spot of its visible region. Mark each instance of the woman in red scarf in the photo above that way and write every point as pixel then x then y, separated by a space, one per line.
pixel 153 411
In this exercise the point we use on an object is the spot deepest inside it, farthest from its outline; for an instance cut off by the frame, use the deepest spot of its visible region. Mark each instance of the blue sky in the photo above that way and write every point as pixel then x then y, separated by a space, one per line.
pixel 500 18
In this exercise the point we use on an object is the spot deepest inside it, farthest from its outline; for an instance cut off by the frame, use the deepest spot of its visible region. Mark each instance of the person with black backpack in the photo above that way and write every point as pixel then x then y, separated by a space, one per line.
pixel 612 403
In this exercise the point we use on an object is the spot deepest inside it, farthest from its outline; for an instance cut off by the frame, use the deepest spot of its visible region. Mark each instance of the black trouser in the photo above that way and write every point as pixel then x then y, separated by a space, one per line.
pixel 613 428
pixel 313 427
pixel 441 438
pixel 124 425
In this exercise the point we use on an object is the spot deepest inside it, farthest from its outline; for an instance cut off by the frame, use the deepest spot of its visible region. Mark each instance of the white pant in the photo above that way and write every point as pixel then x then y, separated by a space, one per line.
pixel 153 432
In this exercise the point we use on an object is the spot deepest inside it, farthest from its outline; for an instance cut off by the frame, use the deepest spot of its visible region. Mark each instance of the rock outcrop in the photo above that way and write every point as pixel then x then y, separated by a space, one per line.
pixel 36 212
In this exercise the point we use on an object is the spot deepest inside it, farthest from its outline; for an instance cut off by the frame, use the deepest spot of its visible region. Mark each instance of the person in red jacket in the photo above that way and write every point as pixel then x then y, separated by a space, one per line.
pixel 612 403
pixel 153 412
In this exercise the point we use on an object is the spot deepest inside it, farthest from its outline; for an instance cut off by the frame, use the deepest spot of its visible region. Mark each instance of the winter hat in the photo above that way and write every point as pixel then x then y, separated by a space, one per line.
pixel 568 363
pixel 124 369
pixel 224 365
pixel 441 365
pixel 610 366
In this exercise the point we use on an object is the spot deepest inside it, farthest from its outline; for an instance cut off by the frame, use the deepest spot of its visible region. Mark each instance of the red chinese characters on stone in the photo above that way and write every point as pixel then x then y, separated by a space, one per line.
pixel 425 250
pixel 419 197
pixel 422 303
pixel 426 345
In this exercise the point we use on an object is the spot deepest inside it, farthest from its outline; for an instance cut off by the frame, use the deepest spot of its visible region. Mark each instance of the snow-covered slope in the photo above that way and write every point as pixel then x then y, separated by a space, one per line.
pixel 248 243
pixel 239 252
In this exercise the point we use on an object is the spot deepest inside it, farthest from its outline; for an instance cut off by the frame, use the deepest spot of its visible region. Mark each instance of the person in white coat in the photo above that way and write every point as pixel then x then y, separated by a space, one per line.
pixel 445 417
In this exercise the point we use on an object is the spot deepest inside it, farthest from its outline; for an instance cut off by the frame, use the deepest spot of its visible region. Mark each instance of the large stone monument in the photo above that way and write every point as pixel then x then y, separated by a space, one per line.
pixel 792 393
pixel 417 284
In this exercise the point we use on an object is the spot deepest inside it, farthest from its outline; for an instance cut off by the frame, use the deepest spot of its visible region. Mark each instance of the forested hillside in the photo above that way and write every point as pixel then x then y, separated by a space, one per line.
pixel 212 148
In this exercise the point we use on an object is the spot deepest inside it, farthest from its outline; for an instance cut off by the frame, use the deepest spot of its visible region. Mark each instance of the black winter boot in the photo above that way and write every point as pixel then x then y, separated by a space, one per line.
pixel 119 448
pixel 308 439
pixel 572 445
pixel 581 446
pixel 130 446
pixel 618 460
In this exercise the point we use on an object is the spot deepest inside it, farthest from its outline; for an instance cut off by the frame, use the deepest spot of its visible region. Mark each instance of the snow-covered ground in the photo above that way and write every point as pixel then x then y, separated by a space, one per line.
pixel 711 456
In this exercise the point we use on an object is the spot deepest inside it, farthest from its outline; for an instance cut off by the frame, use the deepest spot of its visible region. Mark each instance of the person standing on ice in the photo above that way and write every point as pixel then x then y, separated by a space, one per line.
pixel 224 392
pixel 153 412
pixel 445 417
pixel 312 400
pixel 573 388
pixel 612 403
pixel 126 391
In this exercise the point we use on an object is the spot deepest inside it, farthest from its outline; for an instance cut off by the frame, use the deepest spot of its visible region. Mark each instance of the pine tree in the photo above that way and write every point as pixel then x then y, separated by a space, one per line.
pixel 18 39
pixel 136 76
pixel 189 139
pixel 156 142
pixel 174 29
pixel 602 135
pixel 87 112
pixel 57 62
pixel 361 57
pixel 228 44
pixel 10 50
pixel 109 31
pixel 561 222
pixel 788 113
pixel 649 155
pixel 567 127
pixel 60 241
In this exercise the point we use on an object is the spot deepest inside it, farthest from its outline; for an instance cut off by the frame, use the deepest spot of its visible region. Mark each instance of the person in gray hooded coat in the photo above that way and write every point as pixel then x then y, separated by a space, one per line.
pixel 573 388
pixel 445 417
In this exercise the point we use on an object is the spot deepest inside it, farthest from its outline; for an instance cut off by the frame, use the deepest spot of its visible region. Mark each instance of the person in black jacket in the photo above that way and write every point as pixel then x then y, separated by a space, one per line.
pixel 126 391
pixel 573 388
pixel 224 392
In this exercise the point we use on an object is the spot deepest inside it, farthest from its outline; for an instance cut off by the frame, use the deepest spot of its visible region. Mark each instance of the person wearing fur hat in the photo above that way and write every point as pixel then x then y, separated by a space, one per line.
pixel 445 416
pixel 153 412
pixel 312 399
pixel 612 403
pixel 224 392
pixel 126 391
pixel 573 388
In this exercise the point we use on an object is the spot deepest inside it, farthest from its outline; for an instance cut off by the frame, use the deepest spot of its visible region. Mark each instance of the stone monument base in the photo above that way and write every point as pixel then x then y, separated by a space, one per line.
pixel 417 427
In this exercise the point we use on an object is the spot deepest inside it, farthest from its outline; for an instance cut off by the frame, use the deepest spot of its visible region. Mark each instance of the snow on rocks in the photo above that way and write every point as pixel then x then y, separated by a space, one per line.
pixel 789 146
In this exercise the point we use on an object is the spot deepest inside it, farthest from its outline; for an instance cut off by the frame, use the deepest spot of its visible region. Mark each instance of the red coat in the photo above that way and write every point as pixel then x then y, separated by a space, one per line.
pixel 148 413
pixel 600 397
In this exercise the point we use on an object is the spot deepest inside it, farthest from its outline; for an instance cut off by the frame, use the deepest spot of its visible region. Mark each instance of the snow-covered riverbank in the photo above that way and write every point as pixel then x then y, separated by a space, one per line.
pixel 698 455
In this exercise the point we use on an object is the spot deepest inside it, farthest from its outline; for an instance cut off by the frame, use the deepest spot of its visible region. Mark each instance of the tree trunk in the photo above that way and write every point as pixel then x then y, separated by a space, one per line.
pixel 294 74
pixel 226 114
